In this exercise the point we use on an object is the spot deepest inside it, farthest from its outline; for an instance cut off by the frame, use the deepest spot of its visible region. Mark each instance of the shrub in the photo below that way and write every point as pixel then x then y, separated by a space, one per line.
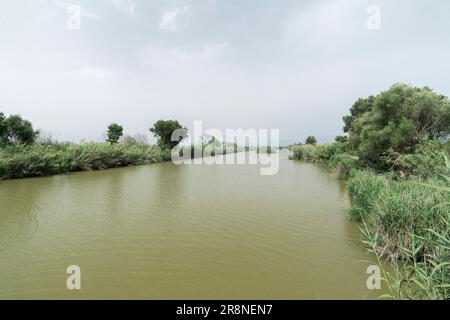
pixel 343 162
pixel 398 210
pixel 40 160
pixel 426 162
pixel 333 154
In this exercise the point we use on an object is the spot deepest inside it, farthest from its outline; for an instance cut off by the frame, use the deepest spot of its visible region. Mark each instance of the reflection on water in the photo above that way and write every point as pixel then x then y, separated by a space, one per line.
pixel 179 232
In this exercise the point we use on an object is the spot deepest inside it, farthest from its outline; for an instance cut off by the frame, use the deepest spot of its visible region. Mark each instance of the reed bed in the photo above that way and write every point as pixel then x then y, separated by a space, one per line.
pixel 21 161
pixel 406 221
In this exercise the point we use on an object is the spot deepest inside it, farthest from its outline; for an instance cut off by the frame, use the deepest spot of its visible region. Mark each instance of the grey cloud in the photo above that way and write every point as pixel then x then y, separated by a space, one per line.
pixel 293 65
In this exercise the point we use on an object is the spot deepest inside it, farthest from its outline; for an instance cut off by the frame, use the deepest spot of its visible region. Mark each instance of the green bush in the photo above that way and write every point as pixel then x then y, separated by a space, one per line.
pixel 344 163
pixel 409 221
pixel 426 162
pixel 333 154
pixel 40 160
pixel 305 152
pixel 321 153
pixel 398 210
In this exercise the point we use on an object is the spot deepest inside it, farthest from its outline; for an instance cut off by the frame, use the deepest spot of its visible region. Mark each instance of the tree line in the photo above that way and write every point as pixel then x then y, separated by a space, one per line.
pixel 14 130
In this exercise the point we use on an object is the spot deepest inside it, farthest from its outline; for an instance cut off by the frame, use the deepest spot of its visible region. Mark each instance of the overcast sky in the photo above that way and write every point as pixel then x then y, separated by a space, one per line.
pixel 288 64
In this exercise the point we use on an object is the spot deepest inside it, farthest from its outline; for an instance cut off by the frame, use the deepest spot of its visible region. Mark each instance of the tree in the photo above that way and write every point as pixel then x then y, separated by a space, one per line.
pixel 3 129
pixel 164 129
pixel 360 107
pixel 15 130
pixel 341 139
pixel 114 133
pixel 311 140
pixel 395 121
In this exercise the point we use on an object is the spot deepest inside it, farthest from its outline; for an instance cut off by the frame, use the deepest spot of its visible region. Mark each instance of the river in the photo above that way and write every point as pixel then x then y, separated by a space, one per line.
pixel 163 231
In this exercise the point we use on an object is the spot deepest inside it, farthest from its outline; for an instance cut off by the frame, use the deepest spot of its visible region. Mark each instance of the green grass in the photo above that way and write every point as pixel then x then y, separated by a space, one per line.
pixel 333 154
pixel 199 151
pixel 48 159
pixel 404 213
pixel 425 162
pixel 425 278
pixel 407 222
pixel 51 158
pixel 398 210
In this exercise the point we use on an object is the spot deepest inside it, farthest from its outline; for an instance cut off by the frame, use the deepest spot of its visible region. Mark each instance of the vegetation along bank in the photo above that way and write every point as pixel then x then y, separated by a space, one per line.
pixel 395 155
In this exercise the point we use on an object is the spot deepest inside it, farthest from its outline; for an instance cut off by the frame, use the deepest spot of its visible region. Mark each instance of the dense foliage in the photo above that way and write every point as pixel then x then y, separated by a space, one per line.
pixel 15 130
pixel 22 161
pixel 398 209
pixel 396 156
pixel 311 140
pixel 407 220
pixel 395 121
pixel 115 132
pixel 164 131
pixel 333 154
pixel 48 156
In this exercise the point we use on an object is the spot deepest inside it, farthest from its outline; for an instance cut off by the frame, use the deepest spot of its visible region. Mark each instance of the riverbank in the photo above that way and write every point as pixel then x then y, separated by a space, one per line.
pixel 23 161
pixel 333 154
pixel 406 220
pixel 404 214
pixel 40 159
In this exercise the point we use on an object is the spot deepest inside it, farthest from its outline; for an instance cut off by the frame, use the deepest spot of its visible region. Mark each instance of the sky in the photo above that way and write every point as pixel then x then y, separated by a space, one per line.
pixel 291 65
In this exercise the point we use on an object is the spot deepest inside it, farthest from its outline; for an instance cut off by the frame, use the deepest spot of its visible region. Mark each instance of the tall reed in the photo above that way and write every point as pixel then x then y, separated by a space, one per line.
pixel 407 222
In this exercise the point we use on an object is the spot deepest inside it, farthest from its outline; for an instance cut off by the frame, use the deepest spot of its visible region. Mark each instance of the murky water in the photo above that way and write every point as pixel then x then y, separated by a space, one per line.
pixel 182 232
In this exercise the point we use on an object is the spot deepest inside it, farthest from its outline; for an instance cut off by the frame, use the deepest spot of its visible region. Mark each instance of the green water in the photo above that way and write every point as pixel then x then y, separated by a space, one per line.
pixel 182 232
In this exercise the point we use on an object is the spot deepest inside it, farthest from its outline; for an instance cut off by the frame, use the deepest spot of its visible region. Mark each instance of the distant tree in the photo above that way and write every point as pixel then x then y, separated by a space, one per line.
pixel 311 140
pixel 15 130
pixel 395 121
pixel 163 130
pixel 341 139
pixel 114 133
pixel 3 129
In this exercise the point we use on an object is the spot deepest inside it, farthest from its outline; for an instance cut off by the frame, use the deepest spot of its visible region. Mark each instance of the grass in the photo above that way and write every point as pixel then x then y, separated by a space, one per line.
pixel 404 213
pixel 333 154
pixel 199 151
pixel 407 222
pixel 49 159
pixel 399 211
pixel 426 162
pixel 427 278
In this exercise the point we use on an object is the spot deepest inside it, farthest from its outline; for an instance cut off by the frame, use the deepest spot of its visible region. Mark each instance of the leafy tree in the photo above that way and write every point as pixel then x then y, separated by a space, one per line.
pixel 395 121
pixel 15 130
pixel 3 129
pixel 341 139
pixel 311 140
pixel 360 107
pixel 114 133
pixel 163 130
